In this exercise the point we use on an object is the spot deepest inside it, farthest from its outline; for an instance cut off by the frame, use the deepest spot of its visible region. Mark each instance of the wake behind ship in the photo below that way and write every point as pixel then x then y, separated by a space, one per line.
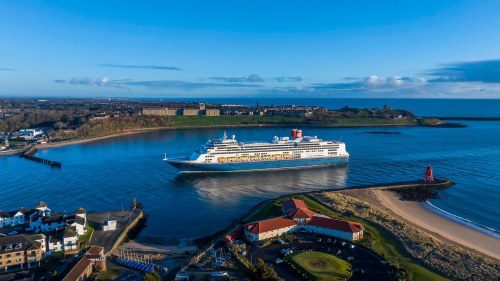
pixel 229 155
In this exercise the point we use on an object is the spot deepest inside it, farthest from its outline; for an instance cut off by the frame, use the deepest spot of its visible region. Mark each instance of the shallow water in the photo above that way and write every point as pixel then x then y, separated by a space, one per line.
pixel 106 174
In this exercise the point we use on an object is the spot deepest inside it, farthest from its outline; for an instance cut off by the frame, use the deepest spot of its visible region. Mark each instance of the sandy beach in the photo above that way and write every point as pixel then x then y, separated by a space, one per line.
pixel 438 225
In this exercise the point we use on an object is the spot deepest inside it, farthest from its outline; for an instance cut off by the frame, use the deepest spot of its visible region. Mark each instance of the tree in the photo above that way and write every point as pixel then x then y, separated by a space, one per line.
pixel 152 276
pixel 264 272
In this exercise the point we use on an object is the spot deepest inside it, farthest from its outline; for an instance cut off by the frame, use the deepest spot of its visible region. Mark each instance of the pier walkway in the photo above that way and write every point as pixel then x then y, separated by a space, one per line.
pixel 109 240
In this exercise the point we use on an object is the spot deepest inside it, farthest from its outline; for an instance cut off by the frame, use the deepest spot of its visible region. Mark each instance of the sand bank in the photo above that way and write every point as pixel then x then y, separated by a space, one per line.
pixel 418 214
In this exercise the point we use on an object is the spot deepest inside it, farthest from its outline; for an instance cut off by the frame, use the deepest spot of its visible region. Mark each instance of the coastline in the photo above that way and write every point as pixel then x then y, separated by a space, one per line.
pixel 488 230
pixel 438 225
pixel 229 126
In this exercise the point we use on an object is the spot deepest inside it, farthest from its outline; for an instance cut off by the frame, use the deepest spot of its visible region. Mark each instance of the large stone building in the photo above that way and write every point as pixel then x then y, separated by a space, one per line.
pixel 188 111
pixel 20 252
pixel 94 261
pixel 298 217
pixel 159 111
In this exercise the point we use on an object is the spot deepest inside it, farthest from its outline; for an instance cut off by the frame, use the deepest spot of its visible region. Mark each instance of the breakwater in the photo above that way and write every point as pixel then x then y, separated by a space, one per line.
pixel 28 152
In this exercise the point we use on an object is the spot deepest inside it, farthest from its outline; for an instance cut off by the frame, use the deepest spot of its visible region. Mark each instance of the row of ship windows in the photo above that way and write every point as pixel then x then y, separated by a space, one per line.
pixel 282 146
pixel 268 151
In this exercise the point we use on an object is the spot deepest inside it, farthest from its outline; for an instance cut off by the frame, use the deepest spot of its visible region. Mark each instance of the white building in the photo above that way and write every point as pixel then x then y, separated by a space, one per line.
pixel 12 218
pixel 28 134
pixel 40 238
pixel 109 225
pixel 70 240
pixel 54 245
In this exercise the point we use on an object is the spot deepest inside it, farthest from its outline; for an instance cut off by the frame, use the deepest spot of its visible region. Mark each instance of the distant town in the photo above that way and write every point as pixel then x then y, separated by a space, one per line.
pixel 48 121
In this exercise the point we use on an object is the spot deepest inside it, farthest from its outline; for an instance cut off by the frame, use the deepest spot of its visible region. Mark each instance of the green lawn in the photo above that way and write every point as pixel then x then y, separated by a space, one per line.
pixel 203 121
pixel 322 266
pixel 85 238
pixel 181 121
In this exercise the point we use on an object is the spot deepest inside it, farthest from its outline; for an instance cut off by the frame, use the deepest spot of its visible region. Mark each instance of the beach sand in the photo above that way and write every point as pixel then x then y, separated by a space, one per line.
pixel 437 225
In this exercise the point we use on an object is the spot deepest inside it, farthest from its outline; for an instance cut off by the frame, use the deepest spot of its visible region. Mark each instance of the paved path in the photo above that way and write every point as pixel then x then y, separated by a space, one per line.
pixel 107 239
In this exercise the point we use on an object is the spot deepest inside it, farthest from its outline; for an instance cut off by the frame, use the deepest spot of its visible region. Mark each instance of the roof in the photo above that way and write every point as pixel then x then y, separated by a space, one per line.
pixel 69 233
pixel 269 225
pixel 37 236
pixel 341 225
pixel 301 213
pixel 12 241
pixel 293 204
pixel 53 239
pixel 84 263
pixel 78 269
pixel 80 211
pixel 57 218
pixel 41 205
pixel 74 219
pixel 94 250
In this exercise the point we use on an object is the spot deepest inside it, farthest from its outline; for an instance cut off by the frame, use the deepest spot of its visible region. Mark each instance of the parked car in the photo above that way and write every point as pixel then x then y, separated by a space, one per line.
pixel 278 261
pixel 281 241
pixel 218 274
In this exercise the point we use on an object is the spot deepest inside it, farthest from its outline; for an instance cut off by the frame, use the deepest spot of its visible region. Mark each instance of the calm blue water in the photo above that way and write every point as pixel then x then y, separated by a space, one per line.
pixel 105 174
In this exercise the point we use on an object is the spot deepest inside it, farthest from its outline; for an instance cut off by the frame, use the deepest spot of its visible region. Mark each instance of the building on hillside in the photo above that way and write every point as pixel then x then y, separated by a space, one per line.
pixel 94 261
pixel 70 239
pixel 265 229
pixel 42 239
pixel 159 111
pixel 54 244
pixel 77 222
pixel 19 252
pixel 297 216
pixel 188 111
pixel 12 218
pixel 212 112
pixel 80 212
pixel 337 228
pixel 29 134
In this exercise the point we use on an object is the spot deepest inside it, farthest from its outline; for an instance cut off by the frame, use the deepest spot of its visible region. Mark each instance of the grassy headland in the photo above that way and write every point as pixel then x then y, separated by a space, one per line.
pixel 411 253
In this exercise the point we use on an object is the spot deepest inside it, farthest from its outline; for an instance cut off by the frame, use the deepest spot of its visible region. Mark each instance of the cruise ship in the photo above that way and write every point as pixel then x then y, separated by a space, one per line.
pixel 229 155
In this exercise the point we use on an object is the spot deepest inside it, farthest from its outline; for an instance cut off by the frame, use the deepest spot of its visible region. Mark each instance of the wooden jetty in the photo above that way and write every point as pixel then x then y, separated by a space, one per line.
pixel 28 152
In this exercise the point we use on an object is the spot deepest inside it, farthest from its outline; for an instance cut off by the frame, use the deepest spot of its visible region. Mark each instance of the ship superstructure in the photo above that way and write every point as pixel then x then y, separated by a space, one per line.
pixel 297 151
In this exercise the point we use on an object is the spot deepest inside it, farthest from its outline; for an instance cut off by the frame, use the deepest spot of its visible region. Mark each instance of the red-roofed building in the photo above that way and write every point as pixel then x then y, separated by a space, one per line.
pixel 298 216
pixel 292 204
pixel 301 215
pixel 265 229
pixel 94 261
pixel 334 227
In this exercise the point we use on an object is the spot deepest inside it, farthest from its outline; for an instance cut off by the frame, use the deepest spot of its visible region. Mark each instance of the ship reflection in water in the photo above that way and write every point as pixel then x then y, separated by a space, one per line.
pixel 223 188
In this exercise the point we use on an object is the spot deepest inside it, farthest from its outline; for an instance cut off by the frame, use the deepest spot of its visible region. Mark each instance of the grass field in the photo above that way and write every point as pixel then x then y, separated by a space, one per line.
pixel 235 120
pixel 376 238
pixel 322 266
pixel 202 121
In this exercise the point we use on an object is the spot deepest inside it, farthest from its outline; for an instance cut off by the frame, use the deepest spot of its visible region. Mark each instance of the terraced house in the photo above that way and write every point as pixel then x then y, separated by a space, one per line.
pixel 20 252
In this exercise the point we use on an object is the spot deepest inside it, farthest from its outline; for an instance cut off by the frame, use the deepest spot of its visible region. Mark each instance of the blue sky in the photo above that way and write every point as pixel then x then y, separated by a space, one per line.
pixel 403 49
